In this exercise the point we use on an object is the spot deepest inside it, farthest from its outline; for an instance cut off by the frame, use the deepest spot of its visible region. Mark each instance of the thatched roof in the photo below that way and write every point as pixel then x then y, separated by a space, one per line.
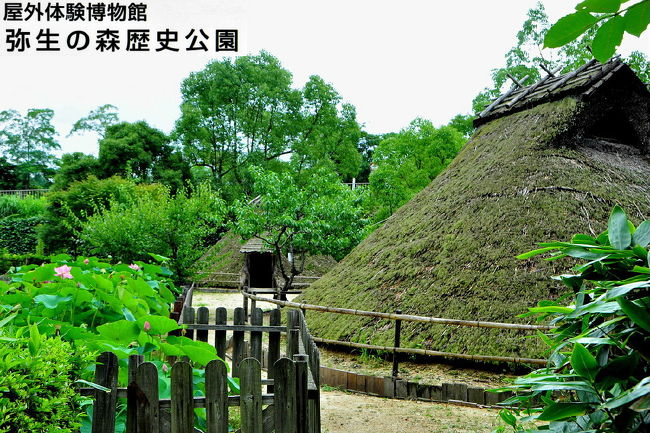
pixel 540 174
pixel 228 256
pixel 255 245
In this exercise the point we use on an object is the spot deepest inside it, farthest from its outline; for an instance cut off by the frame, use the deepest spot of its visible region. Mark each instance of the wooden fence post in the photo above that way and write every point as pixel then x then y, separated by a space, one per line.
pixel 274 346
pixel 301 392
pixel 221 318
pixel 188 318
pixel 251 396
pixel 238 342
pixel 182 399
pixel 104 408
pixel 245 303
pixel 398 331
pixel 216 397
pixel 202 317
pixel 131 394
pixel 147 408
pixel 256 336
pixel 284 401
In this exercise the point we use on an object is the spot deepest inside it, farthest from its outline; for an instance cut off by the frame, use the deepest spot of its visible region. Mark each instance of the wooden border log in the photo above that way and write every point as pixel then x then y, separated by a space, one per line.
pixel 427 352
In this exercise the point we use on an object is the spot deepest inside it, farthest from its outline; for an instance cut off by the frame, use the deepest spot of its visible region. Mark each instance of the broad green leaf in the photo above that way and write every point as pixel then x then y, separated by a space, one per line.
pixel 569 386
pixel 638 315
pixel 51 301
pixel 93 385
pixel 8 319
pixel 618 230
pixel 608 37
pixel 558 411
pixel 121 331
pixel 581 253
pixel 640 390
pixel 637 18
pixel 641 236
pixel 584 239
pixel 616 370
pixel 642 404
pixel 508 417
pixel 599 6
pixel 617 291
pixel 533 253
pixel 158 324
pixel 159 258
pixel 34 340
pixel 568 28
pixel 551 309
pixel 583 362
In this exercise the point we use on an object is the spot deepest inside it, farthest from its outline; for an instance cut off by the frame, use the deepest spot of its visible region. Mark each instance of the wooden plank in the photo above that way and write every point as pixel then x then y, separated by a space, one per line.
pixel 401 390
pixel 146 398
pixel 256 336
pixel 412 389
pixel 216 397
pixel 104 407
pixel 268 419
pixel 375 385
pixel 351 381
pixel 476 395
pixel 285 396
pixel 202 317
pixel 251 396
pixel 389 387
pixel 459 392
pixel 491 398
pixel 131 403
pixel 238 342
pixel 301 392
pixel 274 346
pixel 293 342
pixel 436 392
pixel 188 318
pixel 447 392
pixel 221 317
pixel 182 399
pixel 424 392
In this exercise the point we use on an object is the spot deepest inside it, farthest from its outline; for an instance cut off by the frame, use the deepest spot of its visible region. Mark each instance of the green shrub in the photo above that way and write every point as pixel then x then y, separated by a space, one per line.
pixel 37 392
pixel 19 235
pixel 8 261
pixel 600 356
pixel 171 226
pixel 12 206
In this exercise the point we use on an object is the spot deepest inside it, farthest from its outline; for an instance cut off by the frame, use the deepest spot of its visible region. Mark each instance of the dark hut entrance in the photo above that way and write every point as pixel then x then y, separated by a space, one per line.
pixel 259 265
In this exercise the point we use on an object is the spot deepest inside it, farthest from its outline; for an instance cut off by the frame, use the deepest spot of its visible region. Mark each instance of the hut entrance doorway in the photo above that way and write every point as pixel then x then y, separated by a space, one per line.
pixel 260 268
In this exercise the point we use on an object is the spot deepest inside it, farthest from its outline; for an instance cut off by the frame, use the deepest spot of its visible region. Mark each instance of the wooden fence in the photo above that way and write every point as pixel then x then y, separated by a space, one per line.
pixel 22 193
pixel 292 397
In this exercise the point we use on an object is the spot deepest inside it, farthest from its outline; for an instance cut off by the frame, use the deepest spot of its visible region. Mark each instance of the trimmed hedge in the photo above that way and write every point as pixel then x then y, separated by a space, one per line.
pixel 18 235
pixel 8 261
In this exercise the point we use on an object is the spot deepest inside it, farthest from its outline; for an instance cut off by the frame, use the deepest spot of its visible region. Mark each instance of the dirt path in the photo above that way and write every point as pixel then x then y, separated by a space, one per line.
pixel 355 413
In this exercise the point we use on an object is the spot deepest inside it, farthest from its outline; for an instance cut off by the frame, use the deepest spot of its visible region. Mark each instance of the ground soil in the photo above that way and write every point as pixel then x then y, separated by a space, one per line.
pixel 346 412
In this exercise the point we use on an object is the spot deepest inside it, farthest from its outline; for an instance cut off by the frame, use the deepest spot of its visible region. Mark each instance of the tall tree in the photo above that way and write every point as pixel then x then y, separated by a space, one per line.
pixel 28 141
pixel 236 114
pixel 74 167
pixel 97 121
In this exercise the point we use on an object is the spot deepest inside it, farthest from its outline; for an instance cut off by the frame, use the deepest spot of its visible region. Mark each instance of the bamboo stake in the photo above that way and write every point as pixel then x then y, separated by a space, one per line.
pixel 404 317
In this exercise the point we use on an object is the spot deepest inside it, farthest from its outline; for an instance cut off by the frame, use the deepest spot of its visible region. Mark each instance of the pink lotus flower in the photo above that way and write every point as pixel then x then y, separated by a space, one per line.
pixel 86 261
pixel 63 271
pixel 146 326
pixel 165 369
pixel 134 267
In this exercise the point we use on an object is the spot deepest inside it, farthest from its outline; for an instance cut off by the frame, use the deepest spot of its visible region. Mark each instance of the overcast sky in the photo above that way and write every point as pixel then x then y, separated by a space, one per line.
pixel 392 60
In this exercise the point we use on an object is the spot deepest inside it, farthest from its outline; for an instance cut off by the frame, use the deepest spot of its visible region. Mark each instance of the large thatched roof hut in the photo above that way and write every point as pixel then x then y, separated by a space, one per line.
pixel 547 161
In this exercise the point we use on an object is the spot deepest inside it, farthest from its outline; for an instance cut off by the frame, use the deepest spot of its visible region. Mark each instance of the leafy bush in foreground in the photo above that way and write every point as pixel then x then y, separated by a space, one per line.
pixel 600 350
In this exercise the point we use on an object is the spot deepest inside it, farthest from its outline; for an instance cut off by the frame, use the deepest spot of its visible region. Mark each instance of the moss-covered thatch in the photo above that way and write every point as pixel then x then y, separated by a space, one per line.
pixel 225 258
pixel 530 177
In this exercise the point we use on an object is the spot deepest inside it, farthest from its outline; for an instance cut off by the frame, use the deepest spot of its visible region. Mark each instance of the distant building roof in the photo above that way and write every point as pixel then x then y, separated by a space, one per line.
pixel 255 245
pixel 584 81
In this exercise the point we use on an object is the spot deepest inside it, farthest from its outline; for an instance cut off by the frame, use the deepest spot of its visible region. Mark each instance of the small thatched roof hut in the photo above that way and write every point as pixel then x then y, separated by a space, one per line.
pixel 231 263
pixel 547 161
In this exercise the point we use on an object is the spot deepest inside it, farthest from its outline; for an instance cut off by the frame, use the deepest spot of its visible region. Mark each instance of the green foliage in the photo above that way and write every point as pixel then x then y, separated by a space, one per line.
pixel 407 161
pixel 244 113
pixel 37 376
pixel 614 18
pixel 8 260
pixel 139 151
pixel 320 216
pixel 97 120
pixel 12 206
pixel 18 235
pixel 27 141
pixel 74 167
pixel 67 209
pixel 173 226
pixel 8 174
pixel 599 350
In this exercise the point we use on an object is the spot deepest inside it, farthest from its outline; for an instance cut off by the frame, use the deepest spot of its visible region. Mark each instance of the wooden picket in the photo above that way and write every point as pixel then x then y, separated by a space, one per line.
pixel 293 408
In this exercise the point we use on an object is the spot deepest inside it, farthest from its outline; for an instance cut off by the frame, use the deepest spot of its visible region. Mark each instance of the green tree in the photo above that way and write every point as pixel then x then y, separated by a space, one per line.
pixel 141 152
pixel 320 216
pixel 8 176
pixel 74 167
pixel 28 141
pixel 236 114
pixel 407 161
pixel 96 121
